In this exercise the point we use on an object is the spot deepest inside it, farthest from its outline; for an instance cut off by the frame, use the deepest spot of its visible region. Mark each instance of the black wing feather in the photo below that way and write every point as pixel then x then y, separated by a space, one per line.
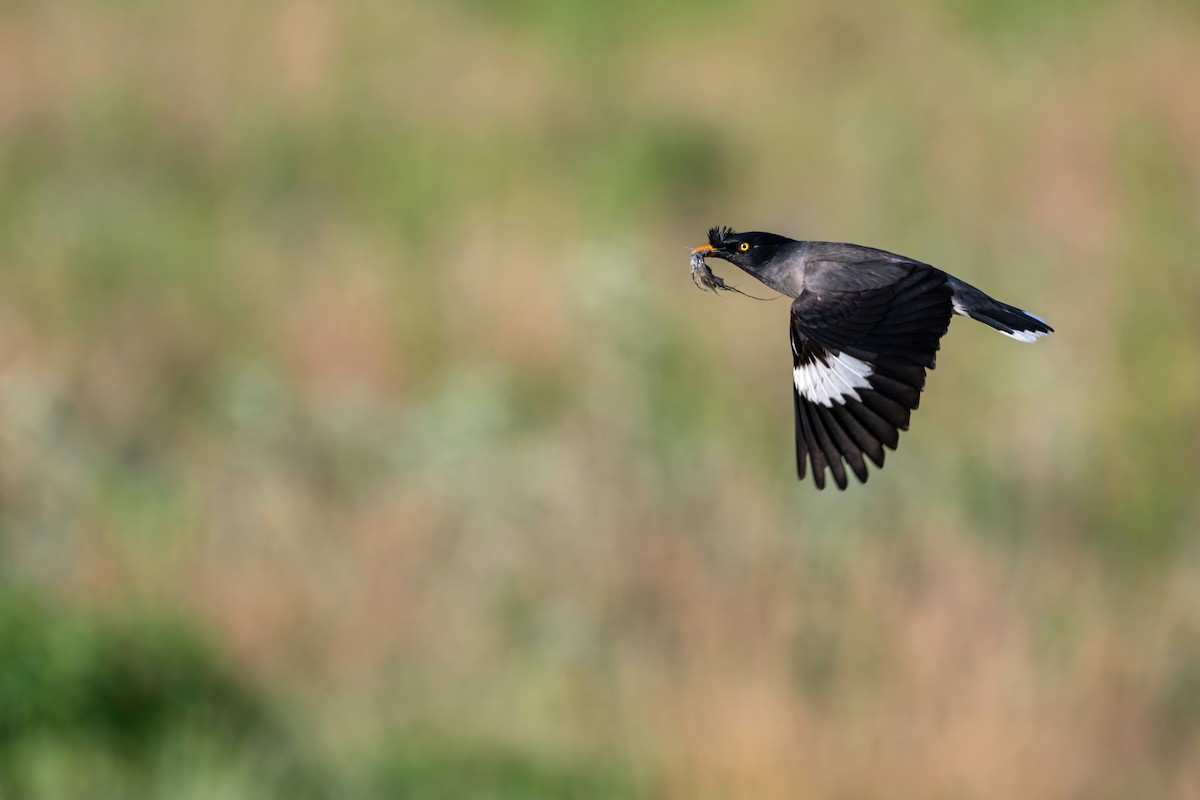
pixel 830 457
pixel 846 446
pixel 816 455
pixel 868 443
pixel 801 442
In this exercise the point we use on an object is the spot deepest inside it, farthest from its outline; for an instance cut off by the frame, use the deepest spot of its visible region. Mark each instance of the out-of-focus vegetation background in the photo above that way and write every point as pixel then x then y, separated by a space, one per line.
pixel 362 434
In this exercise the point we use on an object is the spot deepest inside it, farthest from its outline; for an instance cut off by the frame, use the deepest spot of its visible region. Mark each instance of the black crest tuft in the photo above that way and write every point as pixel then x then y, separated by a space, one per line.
pixel 719 235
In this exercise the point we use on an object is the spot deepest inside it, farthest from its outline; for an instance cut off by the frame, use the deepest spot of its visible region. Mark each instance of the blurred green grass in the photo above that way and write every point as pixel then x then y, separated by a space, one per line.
pixel 355 342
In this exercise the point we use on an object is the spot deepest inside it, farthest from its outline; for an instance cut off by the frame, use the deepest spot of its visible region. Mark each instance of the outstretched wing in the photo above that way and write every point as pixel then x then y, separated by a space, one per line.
pixel 859 365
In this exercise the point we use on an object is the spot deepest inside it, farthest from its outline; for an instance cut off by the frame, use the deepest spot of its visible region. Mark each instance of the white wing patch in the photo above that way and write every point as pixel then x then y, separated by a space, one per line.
pixel 832 381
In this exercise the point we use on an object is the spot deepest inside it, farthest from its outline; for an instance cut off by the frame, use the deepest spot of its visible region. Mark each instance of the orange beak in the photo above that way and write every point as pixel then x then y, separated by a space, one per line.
pixel 703 249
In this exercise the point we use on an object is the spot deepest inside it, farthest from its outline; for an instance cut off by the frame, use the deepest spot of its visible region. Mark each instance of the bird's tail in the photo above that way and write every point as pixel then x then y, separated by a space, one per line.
pixel 1009 320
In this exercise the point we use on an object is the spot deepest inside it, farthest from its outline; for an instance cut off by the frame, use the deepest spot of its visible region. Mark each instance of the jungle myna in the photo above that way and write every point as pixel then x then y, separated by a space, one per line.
pixel 866 325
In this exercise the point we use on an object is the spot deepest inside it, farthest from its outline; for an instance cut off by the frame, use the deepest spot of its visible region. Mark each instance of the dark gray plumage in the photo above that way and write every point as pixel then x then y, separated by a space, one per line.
pixel 866 324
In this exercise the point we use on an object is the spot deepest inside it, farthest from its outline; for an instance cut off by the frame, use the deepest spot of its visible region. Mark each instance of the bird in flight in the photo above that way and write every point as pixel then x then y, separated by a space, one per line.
pixel 866 325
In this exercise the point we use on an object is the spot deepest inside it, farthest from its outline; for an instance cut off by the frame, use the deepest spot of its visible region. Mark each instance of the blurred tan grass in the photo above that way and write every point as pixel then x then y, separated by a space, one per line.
pixel 361 335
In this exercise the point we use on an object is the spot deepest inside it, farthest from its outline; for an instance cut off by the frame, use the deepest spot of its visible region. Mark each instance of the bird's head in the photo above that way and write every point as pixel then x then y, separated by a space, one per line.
pixel 748 250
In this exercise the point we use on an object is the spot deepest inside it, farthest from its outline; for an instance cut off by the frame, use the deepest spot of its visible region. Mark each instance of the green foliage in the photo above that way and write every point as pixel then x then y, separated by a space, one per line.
pixel 121 706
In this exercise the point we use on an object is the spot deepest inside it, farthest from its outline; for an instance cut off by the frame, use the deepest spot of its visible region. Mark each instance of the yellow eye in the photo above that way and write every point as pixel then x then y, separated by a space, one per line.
pixel 744 246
